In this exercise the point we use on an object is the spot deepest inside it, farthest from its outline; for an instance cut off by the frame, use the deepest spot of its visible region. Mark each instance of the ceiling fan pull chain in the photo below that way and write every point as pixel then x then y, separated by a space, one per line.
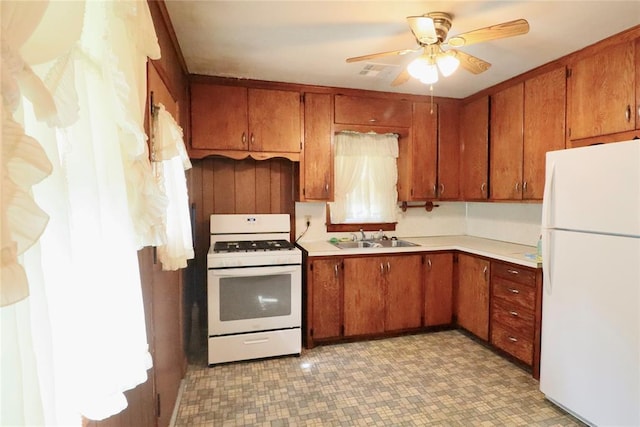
pixel 431 91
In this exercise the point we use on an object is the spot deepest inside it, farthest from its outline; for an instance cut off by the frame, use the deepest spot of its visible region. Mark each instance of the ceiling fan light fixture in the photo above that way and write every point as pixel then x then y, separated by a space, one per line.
pixel 418 67
pixel 447 63
pixel 430 75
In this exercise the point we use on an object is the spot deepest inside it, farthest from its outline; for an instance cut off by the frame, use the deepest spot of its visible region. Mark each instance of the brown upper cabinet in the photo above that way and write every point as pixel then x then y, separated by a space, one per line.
pixel 237 121
pixel 317 158
pixel 544 127
pixel 356 110
pixel 424 153
pixel 474 139
pixel 527 120
pixel 448 151
pixel 601 99
pixel 507 116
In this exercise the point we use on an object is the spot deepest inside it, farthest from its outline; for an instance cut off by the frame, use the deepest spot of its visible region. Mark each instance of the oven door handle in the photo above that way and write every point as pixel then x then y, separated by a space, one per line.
pixel 255 271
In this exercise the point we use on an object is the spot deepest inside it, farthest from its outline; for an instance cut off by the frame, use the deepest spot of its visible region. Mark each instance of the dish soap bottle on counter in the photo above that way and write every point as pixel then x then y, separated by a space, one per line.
pixel 539 250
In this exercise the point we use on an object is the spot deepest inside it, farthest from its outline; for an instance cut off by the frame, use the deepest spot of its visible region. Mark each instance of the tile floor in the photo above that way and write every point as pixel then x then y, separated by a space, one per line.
pixel 435 379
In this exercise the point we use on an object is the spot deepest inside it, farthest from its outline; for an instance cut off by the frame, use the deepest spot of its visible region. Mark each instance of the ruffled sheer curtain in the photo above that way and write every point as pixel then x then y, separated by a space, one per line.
pixel 366 176
pixel 78 341
pixel 170 160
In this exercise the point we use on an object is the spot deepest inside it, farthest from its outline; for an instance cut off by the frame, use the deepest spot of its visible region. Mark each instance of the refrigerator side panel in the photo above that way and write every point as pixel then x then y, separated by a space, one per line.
pixel 594 189
pixel 590 350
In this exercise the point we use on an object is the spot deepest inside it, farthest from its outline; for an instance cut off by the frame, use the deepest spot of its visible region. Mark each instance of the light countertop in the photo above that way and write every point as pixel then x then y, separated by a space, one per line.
pixel 504 251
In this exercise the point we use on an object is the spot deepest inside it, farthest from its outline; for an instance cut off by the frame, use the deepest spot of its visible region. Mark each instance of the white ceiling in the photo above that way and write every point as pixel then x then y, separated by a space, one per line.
pixel 308 41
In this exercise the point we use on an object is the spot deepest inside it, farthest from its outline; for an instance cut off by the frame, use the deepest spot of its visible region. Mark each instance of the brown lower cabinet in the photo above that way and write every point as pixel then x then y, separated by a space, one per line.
pixel 473 295
pixel 516 307
pixel 382 294
pixel 353 297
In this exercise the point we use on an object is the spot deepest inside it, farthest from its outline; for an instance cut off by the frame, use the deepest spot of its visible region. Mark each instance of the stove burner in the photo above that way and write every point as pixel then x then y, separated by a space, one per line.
pixel 253 246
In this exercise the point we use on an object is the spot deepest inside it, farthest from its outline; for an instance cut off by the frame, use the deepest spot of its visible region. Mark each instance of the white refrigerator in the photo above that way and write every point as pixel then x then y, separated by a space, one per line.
pixel 590 343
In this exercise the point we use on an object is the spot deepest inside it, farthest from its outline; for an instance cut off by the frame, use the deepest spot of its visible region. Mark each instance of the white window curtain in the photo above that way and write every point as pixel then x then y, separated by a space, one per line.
pixel 366 176
pixel 170 160
pixel 73 74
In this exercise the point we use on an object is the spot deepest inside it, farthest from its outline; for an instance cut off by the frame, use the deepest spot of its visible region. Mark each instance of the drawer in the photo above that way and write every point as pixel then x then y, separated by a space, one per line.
pixel 515 273
pixel 516 318
pixel 515 293
pixel 516 345
pixel 356 110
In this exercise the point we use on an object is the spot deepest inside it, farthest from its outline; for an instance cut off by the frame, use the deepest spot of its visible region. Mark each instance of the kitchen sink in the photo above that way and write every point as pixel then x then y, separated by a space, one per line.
pixel 374 244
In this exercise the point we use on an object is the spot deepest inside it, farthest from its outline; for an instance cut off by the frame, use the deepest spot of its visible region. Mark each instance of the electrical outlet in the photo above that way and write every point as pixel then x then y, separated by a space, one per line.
pixel 307 219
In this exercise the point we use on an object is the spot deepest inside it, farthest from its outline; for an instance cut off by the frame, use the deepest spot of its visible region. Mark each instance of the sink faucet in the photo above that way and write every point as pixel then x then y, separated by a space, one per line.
pixel 363 236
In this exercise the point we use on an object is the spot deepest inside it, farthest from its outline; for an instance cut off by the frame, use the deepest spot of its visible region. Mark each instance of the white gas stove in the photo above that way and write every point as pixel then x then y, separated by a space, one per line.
pixel 254 285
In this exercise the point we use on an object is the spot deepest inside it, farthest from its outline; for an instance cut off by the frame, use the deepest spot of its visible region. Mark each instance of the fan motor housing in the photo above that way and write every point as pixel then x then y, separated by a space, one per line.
pixel 442 23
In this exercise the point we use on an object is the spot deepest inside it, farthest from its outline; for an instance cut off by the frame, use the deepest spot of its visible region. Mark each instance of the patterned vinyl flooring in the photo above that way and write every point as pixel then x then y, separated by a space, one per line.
pixel 433 379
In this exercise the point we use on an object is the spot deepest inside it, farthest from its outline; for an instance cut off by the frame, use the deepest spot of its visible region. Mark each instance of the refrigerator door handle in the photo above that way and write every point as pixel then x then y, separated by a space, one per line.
pixel 548 199
pixel 547 257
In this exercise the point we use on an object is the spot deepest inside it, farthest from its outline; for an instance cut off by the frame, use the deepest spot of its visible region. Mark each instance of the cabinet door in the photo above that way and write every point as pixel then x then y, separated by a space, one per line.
pixel 507 112
pixel 218 117
pixel 364 295
pixel 318 154
pixel 438 298
pixel 544 127
pixel 448 152
pixel 274 120
pixel 474 136
pixel 473 295
pixel 424 151
pixel 355 110
pixel 601 97
pixel 404 292
pixel 326 304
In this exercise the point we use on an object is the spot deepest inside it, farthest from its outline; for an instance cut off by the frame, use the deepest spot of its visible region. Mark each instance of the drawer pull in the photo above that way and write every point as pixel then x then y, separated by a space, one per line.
pixel 512 271
pixel 512 339
pixel 514 291
pixel 258 341
pixel 514 313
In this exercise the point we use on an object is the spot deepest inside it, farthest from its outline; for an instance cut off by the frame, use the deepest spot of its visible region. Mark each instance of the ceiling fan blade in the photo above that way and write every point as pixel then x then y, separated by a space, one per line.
pixel 471 63
pixel 380 54
pixel 499 31
pixel 402 78
pixel 423 29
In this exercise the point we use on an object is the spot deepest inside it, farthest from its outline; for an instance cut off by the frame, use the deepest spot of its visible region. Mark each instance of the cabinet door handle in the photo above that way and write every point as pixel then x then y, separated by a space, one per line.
pixel 484 271
pixel 512 271
pixel 514 313
pixel 513 339
pixel 388 267
pixel 429 263
pixel 483 187
pixel 335 270
pixel 381 268
pixel 517 186
pixel 441 189
pixel 326 188
pixel 253 139
pixel 627 113
pixel 244 138
pixel 514 291
pixel 524 187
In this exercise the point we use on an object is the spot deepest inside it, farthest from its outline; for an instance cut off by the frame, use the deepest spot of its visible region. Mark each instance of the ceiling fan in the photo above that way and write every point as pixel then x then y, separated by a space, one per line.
pixel 430 31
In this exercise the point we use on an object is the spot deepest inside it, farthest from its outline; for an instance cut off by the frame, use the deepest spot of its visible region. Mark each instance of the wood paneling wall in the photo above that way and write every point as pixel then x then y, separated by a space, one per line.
pixel 219 185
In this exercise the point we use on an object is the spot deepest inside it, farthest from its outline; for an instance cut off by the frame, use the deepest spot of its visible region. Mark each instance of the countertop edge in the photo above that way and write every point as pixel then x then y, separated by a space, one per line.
pixel 502 251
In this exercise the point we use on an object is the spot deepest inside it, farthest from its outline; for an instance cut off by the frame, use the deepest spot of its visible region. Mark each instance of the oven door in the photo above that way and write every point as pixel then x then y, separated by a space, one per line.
pixel 251 299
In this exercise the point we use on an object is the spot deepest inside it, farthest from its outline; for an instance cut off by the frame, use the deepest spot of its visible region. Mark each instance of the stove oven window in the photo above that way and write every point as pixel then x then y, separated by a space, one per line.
pixel 243 298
